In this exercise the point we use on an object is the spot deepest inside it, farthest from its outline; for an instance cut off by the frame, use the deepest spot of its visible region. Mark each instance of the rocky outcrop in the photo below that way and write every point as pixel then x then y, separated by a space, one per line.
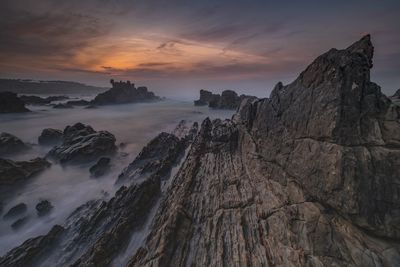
pixel 50 136
pixel 14 172
pixel 307 177
pixel 15 211
pixel 97 233
pixel 227 100
pixel 81 143
pixel 43 208
pixel 10 144
pixel 80 102
pixel 10 103
pixel 124 92
pixel 101 167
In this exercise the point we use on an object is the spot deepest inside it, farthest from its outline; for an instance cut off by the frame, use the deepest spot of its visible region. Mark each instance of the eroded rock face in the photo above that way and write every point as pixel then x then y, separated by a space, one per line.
pixel 50 136
pixel 81 143
pixel 10 144
pixel 14 172
pixel 307 177
pixel 124 92
pixel 10 103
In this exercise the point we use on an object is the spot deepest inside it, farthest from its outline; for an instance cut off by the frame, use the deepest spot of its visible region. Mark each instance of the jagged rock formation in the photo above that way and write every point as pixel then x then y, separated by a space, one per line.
pixel 124 92
pixel 97 233
pixel 50 136
pixel 13 172
pixel 101 167
pixel 81 143
pixel 307 177
pixel 227 100
pixel 10 144
pixel 10 103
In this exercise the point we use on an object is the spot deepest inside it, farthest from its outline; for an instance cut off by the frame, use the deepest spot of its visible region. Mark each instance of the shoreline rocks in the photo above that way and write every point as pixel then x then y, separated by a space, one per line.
pixel 81 143
pixel 15 211
pixel 11 103
pixel 43 208
pixel 10 144
pixel 124 92
pixel 50 136
pixel 101 167
pixel 227 100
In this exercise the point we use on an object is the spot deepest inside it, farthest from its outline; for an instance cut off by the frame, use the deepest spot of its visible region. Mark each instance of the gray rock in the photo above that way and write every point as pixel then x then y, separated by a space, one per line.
pixel 10 144
pixel 19 223
pixel 227 100
pixel 16 211
pixel 81 143
pixel 43 208
pixel 10 103
pixel 101 167
pixel 15 172
pixel 50 136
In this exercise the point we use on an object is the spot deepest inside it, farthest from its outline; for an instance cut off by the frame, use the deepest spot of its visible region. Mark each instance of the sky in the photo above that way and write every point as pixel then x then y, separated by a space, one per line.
pixel 178 47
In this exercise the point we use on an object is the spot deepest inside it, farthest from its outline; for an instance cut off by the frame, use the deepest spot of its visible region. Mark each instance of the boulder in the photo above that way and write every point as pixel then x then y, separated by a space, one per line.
pixel 101 167
pixel 10 144
pixel 10 103
pixel 81 143
pixel 227 100
pixel 43 208
pixel 15 211
pixel 124 92
pixel 13 172
pixel 50 136
pixel 19 223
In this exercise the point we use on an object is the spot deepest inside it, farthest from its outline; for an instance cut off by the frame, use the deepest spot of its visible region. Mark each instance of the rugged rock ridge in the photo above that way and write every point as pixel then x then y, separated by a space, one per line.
pixel 227 100
pixel 124 92
pixel 308 177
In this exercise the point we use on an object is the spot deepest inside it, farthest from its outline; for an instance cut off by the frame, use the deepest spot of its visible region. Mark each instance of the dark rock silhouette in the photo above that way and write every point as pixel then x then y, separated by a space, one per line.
pixel 81 143
pixel 10 103
pixel 50 136
pixel 10 144
pixel 78 102
pixel 15 211
pixel 124 92
pixel 19 223
pixel 14 172
pixel 227 100
pixel 43 208
pixel 101 167
pixel 37 100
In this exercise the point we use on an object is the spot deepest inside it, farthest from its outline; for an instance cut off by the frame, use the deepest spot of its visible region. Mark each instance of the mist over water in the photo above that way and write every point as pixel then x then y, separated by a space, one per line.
pixel 68 187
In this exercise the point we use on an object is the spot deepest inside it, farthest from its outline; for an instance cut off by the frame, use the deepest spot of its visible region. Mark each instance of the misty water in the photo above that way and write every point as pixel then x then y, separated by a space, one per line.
pixel 68 187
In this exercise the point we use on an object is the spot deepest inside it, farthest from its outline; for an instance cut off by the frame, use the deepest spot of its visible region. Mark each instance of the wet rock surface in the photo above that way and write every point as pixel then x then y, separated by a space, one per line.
pixel 124 92
pixel 307 177
pixel 81 143
pixel 11 103
pixel 50 136
pixel 43 208
pixel 15 211
pixel 101 167
pixel 15 172
pixel 10 144
pixel 227 100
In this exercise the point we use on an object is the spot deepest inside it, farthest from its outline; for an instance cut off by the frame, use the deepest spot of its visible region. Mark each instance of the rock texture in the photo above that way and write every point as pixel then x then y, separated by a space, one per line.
pixel 14 172
pixel 10 144
pixel 43 208
pixel 81 143
pixel 124 92
pixel 97 233
pixel 227 100
pixel 101 167
pixel 50 136
pixel 10 103
pixel 307 177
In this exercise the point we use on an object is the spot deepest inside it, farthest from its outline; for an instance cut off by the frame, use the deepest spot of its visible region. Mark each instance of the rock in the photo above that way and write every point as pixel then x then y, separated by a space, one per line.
pixel 16 211
pixel 56 98
pixel 10 144
pixel 81 143
pixel 13 172
pixel 62 106
pixel 124 92
pixel 43 208
pixel 34 100
pixel 19 223
pixel 101 167
pixel 80 102
pixel 10 103
pixel 227 100
pixel 50 136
